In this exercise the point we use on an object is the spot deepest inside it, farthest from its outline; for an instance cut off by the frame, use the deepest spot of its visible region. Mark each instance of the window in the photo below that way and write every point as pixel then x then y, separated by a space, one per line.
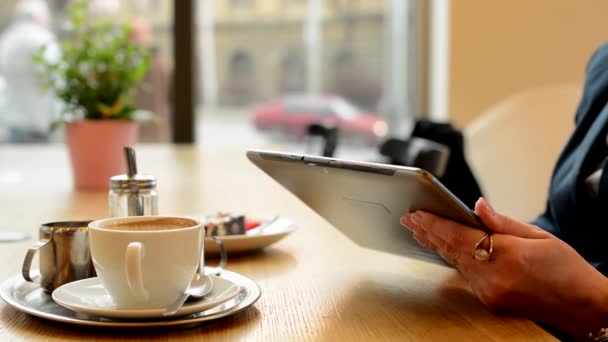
pixel 344 109
pixel 362 53
pixel 239 87
pixel 291 72
pixel 319 58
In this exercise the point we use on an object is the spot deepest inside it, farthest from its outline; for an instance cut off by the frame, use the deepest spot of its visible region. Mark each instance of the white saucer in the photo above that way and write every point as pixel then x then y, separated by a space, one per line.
pixel 252 241
pixel 89 296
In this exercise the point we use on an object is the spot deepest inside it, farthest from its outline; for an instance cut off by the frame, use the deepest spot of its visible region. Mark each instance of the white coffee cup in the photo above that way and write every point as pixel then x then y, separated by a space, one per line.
pixel 146 262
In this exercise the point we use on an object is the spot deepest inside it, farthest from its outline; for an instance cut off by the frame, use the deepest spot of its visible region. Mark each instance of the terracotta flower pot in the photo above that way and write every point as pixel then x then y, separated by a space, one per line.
pixel 96 150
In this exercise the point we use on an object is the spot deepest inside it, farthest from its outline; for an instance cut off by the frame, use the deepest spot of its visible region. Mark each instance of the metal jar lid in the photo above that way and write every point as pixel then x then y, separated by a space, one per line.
pixel 123 182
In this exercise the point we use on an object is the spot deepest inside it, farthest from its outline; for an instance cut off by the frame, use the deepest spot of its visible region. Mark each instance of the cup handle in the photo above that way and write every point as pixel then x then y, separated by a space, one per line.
pixel 135 251
pixel 223 257
pixel 29 257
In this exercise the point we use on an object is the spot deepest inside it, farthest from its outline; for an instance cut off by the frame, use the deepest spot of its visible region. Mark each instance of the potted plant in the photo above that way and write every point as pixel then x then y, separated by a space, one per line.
pixel 95 78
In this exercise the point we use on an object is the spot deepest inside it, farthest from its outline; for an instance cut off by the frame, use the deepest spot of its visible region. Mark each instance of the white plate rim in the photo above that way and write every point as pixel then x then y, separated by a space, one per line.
pixel 290 229
pixel 244 243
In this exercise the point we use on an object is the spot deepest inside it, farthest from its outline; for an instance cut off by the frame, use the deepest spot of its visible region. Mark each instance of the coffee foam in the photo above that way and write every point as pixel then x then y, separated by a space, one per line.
pixel 151 225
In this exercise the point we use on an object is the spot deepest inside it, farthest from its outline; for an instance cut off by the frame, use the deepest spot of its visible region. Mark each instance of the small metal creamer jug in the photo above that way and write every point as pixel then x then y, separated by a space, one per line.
pixel 64 255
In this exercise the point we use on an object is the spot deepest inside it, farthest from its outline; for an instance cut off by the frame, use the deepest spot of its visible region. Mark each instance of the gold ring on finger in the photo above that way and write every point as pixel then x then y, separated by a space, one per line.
pixel 480 253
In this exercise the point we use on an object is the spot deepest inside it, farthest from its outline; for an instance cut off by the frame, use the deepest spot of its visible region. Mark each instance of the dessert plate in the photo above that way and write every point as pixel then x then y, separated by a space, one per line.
pixel 254 239
pixel 89 296
pixel 30 298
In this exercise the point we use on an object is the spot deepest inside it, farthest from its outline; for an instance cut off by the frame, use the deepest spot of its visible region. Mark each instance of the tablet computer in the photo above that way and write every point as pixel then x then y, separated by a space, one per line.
pixel 365 200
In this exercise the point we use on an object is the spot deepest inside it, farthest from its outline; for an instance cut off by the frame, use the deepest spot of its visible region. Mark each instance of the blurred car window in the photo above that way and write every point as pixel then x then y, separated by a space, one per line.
pixel 344 109
pixel 295 105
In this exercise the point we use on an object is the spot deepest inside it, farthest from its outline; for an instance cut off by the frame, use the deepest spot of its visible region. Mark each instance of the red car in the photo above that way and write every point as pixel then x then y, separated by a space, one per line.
pixel 293 114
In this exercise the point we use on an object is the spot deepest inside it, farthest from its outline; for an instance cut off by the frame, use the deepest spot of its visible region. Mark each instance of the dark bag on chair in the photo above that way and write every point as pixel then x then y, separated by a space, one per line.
pixel 425 149
pixel 458 176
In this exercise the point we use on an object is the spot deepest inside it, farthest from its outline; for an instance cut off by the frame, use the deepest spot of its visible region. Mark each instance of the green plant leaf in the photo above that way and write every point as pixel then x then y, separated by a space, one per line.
pixel 99 69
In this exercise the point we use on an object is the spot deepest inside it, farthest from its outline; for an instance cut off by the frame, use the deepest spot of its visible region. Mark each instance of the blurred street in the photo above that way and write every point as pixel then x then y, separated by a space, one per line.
pixel 234 127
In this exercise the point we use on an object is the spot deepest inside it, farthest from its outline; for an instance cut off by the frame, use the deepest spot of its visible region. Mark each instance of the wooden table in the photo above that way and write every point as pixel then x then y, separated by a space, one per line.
pixel 316 284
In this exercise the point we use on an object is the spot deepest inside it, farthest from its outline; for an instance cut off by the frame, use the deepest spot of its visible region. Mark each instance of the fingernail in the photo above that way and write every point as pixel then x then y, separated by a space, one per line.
pixel 406 222
pixel 416 217
pixel 491 210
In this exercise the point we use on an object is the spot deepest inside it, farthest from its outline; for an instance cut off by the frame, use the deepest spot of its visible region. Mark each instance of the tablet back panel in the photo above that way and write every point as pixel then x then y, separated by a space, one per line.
pixel 364 201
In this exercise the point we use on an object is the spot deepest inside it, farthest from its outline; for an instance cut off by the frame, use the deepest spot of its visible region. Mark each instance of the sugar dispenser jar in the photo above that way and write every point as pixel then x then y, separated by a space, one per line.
pixel 132 194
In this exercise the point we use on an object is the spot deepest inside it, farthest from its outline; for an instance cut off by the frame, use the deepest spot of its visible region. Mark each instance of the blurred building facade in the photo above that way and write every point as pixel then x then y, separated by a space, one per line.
pixel 261 51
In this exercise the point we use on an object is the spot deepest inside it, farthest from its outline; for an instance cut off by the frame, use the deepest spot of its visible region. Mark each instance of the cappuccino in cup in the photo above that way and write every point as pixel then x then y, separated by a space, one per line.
pixel 146 262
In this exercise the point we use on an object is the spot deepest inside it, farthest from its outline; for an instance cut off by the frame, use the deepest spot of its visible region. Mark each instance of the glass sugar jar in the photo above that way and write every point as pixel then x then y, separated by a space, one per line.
pixel 133 196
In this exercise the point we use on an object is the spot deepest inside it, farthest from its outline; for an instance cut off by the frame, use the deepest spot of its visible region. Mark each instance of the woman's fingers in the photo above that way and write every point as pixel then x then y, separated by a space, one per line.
pixel 453 241
pixel 446 230
pixel 499 223
pixel 424 241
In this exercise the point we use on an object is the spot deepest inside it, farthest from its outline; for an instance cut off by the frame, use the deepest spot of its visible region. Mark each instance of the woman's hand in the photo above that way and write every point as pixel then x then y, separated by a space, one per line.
pixel 531 273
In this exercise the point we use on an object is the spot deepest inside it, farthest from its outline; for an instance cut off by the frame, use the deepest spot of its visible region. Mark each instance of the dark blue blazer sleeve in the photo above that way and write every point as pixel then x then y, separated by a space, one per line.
pixel 570 213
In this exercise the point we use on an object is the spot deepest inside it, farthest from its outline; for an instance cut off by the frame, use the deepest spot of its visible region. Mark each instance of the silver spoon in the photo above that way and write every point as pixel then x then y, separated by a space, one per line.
pixel 135 207
pixel 199 287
